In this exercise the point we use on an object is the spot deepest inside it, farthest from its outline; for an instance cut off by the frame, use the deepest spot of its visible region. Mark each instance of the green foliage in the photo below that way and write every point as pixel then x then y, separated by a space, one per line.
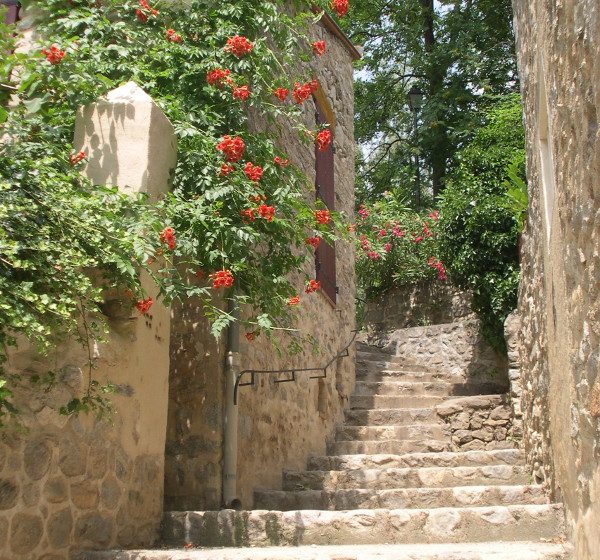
pixel 64 241
pixel 458 53
pixel 396 246
pixel 478 227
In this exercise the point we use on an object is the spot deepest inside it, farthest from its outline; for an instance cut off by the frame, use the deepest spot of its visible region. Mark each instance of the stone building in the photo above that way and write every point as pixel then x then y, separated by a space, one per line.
pixel 279 423
pixel 559 302
pixel 78 483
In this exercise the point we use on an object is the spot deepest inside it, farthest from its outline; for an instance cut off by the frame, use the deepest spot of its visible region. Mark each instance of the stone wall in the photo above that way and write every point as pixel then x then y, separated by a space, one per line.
pixel 455 348
pixel 71 483
pixel 482 422
pixel 426 303
pixel 559 302
pixel 280 424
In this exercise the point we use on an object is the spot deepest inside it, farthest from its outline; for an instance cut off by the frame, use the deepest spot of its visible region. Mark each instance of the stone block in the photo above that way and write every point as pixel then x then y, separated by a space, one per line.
pixel 36 458
pixel 55 490
pixel 72 458
pixel 85 494
pixel 110 492
pixel 60 526
pixel 26 532
pixel 31 494
pixel 462 436
pixel 500 413
pixel 9 493
pixel 3 531
pixel 97 462
pixel 95 529
pixel 485 434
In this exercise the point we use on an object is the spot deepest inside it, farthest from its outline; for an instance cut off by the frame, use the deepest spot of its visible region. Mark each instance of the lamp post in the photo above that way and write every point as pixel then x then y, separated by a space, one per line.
pixel 415 102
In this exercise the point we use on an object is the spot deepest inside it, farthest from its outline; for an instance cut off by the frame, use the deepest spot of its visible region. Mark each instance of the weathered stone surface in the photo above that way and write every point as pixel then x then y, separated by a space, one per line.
pixel 466 551
pixel 94 529
pixel 110 493
pixel 73 458
pixel 405 477
pixel 25 532
pixel 98 461
pixel 3 532
pixel 36 458
pixel 559 299
pixel 341 499
pixel 9 493
pixel 427 303
pixel 85 494
pixel 56 490
pixel 60 526
pixel 31 494
pixel 262 528
pixel 445 459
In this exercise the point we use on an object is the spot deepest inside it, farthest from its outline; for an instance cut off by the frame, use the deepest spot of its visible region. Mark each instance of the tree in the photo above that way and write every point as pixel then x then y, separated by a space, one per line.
pixel 479 224
pixel 458 52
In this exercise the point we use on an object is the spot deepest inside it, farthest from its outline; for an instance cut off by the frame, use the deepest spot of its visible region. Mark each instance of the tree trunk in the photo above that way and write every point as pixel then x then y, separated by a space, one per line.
pixel 435 81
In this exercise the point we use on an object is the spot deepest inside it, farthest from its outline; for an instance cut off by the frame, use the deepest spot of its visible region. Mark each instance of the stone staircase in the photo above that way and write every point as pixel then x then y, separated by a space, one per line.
pixel 390 488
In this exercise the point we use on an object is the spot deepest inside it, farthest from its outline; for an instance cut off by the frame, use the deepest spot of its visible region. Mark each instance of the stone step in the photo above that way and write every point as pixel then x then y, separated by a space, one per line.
pixel 384 372
pixel 386 433
pixel 417 460
pixel 441 525
pixel 402 388
pixel 463 551
pixel 393 447
pixel 364 402
pixel 395 416
pixel 400 498
pixel 430 477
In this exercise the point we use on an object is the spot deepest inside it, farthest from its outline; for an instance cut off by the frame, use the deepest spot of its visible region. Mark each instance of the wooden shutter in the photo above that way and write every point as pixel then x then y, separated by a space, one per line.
pixel 12 14
pixel 325 190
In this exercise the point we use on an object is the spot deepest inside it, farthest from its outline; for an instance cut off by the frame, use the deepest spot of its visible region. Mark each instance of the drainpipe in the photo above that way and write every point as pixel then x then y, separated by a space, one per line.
pixel 230 433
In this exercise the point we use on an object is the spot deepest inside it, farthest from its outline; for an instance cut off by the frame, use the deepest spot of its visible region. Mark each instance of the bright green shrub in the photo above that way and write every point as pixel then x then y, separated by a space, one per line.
pixel 479 226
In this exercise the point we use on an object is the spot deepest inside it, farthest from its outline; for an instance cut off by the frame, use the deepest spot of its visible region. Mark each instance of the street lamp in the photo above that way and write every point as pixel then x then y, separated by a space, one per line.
pixel 415 102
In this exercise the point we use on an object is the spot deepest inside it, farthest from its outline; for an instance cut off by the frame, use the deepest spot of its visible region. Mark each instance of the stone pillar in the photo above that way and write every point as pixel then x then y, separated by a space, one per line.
pixel 129 142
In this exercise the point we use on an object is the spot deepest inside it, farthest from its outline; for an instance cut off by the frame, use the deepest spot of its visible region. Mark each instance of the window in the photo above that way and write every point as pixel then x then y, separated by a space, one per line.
pixel 325 191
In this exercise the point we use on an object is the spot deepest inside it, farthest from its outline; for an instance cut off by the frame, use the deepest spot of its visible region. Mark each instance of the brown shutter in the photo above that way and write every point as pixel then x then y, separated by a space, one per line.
pixel 12 14
pixel 325 190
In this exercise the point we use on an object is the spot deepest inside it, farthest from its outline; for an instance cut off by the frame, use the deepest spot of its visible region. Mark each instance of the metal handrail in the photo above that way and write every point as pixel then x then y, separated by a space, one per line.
pixel 343 353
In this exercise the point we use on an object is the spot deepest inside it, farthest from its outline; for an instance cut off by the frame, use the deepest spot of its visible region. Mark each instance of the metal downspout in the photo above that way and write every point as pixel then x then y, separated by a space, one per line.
pixel 230 432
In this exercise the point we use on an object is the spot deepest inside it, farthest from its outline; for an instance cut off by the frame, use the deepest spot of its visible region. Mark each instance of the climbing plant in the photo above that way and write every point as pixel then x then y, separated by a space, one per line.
pixel 237 219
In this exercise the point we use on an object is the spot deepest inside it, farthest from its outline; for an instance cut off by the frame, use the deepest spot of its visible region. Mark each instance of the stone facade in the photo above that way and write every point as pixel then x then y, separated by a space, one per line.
pixel 71 483
pixel 426 303
pixel 279 423
pixel 559 302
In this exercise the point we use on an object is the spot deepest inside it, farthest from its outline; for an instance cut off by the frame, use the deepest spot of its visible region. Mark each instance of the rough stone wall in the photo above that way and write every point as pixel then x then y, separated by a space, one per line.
pixel 482 422
pixel 427 303
pixel 559 302
pixel 456 348
pixel 74 483
pixel 68 484
pixel 279 424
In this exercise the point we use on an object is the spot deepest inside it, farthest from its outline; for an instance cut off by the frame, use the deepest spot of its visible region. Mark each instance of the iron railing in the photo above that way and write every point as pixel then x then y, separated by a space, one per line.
pixel 343 353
